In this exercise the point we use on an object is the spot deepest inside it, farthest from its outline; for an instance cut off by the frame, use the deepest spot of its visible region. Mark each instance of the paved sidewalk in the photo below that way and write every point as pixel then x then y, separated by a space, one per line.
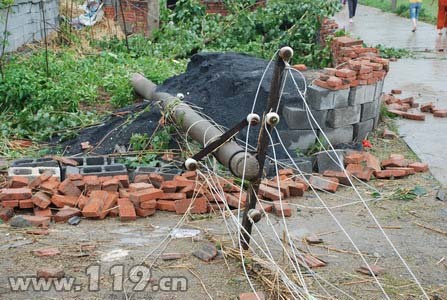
pixel 423 77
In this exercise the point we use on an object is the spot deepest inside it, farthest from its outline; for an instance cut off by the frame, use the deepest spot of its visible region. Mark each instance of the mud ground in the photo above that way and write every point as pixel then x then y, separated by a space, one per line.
pixel 424 249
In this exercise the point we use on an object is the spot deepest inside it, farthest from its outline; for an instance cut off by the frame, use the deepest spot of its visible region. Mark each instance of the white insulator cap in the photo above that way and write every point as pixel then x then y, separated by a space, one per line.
pixel 191 164
pixel 286 53
pixel 272 118
pixel 254 215
pixel 180 96
pixel 253 119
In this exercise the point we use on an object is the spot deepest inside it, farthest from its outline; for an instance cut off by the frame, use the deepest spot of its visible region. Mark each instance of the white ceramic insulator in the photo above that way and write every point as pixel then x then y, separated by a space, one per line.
pixel 286 53
pixel 272 118
pixel 191 164
pixel 253 119
pixel 180 96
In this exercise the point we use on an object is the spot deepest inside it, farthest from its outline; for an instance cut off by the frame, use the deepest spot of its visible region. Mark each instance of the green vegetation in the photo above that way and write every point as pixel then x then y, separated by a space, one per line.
pixel 387 52
pixel 429 11
pixel 89 77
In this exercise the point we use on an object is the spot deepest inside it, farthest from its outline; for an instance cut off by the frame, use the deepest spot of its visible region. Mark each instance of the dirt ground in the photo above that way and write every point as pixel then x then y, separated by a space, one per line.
pixel 87 245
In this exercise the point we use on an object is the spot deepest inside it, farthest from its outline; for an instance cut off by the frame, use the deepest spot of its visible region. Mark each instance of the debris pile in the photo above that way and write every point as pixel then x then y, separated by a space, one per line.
pixel 407 107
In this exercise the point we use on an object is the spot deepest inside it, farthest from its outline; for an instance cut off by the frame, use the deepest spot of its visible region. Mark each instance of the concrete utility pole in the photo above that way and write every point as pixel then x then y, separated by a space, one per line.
pixel 393 5
pixel 153 16
pixel 230 154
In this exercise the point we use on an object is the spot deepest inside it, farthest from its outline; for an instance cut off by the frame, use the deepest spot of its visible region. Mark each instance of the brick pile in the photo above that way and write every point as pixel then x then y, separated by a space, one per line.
pixel 327 30
pixel 98 197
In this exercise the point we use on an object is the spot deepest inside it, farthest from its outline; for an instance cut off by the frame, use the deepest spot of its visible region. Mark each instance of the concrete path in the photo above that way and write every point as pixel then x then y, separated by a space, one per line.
pixel 423 76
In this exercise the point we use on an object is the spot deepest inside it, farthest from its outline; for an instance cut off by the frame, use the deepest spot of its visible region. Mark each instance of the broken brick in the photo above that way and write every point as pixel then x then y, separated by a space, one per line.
pixel 123 180
pixel 395 162
pixel 82 201
pixel 110 202
pixel 270 193
pixel 156 179
pixel 145 195
pixel 206 253
pixel 6 213
pixel 50 273
pixel 354 158
pixel 328 184
pixel 37 221
pixel 141 178
pixel 419 166
pixel 300 67
pixel 18 182
pixel 360 171
pixel 396 91
pixel 442 113
pixel 110 185
pixel 68 188
pixel 43 212
pixel 92 183
pixel 376 270
pixel 172 196
pixel 342 177
pixel 264 207
pixel 10 203
pixel 309 261
pixel 144 212
pixel 372 162
pixel 428 107
pixel 408 171
pixel 59 200
pixel 66 213
pixel 150 204
pixel 40 179
pixel 387 174
pixel 413 116
pixel 41 200
pixel 388 134
pixel 282 208
pixel 139 186
pixel 45 252
pixel 283 187
pixel 169 186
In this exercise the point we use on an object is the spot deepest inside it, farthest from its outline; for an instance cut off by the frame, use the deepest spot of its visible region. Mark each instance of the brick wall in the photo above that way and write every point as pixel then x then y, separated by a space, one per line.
pixel 135 14
pixel 218 7
pixel 25 24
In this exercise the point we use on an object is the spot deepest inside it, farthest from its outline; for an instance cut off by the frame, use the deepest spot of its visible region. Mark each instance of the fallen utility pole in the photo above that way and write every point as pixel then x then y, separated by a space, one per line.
pixel 269 120
pixel 230 154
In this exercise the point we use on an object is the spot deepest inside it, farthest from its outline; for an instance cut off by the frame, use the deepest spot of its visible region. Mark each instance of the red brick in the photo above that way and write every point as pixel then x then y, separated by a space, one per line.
pixel 110 185
pixel 166 205
pixel 74 177
pixel 395 162
pixel 396 91
pixel 428 107
pixel 43 212
pixel 123 180
pixel 58 200
pixel 113 213
pixel 264 207
pixel 26 203
pixel 156 180
pixel 286 211
pixel 41 200
pixel 334 82
pixel 141 178
pixel 124 193
pixel 45 252
pixel 270 193
pixel 283 187
pixel 442 113
pixel 397 156
pixel 68 188
pixel 419 167
pixel 198 205
pixel 41 179
pixel 37 221
pixel 340 175
pixel 66 213
pixel 151 204
pixel 252 296
pixel 6 213
pixel 354 158
pixel 18 182
pixel 233 200
pixel 365 70
pixel 139 186
pixel 345 73
pixel 408 171
pixel 109 203
pixel 413 116
pixel 92 183
pixel 386 174
pixel 328 184
pixel 300 67
pixel 82 201
pixel 145 195
pixel 15 194
pixel 103 179
pixel 372 161
pixel 95 204
pixel 126 210
pixel 360 171
pixel 144 212
pixel 296 188
pixel 388 134
pixel 172 196
pixel 10 203
pixel 50 273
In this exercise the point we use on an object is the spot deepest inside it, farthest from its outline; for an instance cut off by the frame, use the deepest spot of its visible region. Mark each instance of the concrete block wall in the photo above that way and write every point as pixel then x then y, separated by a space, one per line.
pixel 25 22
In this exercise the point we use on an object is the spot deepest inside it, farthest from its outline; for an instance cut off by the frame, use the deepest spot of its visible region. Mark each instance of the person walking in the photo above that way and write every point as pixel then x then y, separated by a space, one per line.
pixel 415 8
pixel 442 15
pixel 352 7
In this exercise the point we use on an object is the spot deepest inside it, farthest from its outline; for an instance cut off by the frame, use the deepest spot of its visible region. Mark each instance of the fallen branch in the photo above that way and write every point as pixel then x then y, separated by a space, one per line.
pixel 431 228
